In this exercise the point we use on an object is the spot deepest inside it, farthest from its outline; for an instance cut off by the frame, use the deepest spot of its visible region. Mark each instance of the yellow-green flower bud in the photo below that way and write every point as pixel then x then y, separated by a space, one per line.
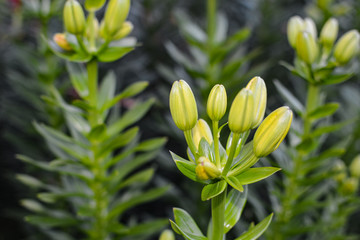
pixel 206 170
pixel 306 47
pixel 167 235
pixel 92 28
pixel 217 102
pixel 241 115
pixel 125 30
pixel 347 47
pixel 339 171
pixel 60 40
pixel 94 5
pixel 272 131
pixel 329 33
pixel 115 15
pixel 349 186
pixel 355 167
pixel 183 105
pixel 74 19
pixel 201 130
pixel 258 87
pixel 310 27
pixel 294 26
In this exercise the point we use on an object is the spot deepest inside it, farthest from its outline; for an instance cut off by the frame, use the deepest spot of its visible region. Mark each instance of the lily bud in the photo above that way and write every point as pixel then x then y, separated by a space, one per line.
pixel 349 186
pixel 294 26
pixel 306 47
pixel 206 170
pixel 241 115
pixel 167 235
pixel 183 105
pixel 347 47
pixel 272 131
pixel 115 15
pixel 355 167
pixel 340 171
pixel 217 102
pixel 60 40
pixel 258 87
pixel 329 33
pixel 310 27
pixel 202 130
pixel 125 30
pixel 92 27
pixel 94 5
pixel 74 19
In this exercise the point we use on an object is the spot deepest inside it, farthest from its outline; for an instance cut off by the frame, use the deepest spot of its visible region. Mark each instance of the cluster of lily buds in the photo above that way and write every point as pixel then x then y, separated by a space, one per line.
pixel 113 27
pixel 302 36
pixel 246 113
pixel 347 177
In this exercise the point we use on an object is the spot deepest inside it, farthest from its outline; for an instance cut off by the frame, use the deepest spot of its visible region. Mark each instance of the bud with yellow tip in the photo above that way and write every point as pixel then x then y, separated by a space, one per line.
pixel 347 47
pixel 329 33
pixel 258 87
pixel 202 130
pixel 74 19
pixel 125 30
pixel 217 102
pixel 306 47
pixel 60 40
pixel 355 167
pixel 294 26
pixel 115 15
pixel 272 131
pixel 206 170
pixel 241 115
pixel 94 5
pixel 167 235
pixel 183 105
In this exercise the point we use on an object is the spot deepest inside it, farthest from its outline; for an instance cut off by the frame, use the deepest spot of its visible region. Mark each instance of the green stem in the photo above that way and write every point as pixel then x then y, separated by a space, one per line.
pixel 311 104
pixel 92 69
pixel 234 142
pixel 190 142
pixel 218 216
pixel 216 143
pixel 81 43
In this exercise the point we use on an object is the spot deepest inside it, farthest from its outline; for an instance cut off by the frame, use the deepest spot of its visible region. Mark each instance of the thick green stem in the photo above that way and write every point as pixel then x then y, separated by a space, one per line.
pixel 216 143
pixel 92 69
pixel 234 142
pixel 190 142
pixel 218 216
pixel 311 104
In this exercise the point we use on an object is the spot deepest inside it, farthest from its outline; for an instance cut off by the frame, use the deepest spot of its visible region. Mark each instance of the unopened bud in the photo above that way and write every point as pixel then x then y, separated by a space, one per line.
pixel 115 15
pixel 294 26
pixel 329 33
pixel 272 131
pixel 306 47
pixel 60 40
pixel 125 30
pixel 339 171
pixel 310 27
pixel 347 47
pixel 167 235
pixel 201 130
pixel 92 28
pixel 349 186
pixel 217 102
pixel 241 115
pixel 183 106
pixel 355 167
pixel 206 170
pixel 74 18
pixel 94 5
pixel 258 88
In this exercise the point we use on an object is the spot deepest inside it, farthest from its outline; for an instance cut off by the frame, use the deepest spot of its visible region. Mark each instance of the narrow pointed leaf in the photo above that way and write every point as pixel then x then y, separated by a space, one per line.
pixel 253 175
pixel 212 190
pixel 235 203
pixel 255 232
